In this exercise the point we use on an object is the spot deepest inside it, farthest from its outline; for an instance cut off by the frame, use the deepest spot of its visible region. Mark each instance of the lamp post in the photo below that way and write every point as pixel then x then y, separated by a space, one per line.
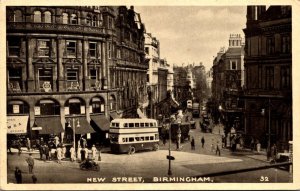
pixel 172 118
pixel 73 127
pixel 179 134
pixel 269 128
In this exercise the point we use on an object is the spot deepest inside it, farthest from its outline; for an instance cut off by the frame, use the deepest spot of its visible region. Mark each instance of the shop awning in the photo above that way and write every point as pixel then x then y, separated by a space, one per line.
pixel 84 126
pixel 101 121
pixel 114 115
pixel 48 125
pixel 17 124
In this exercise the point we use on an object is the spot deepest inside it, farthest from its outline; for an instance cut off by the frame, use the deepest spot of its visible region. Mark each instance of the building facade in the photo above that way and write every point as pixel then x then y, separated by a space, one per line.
pixel 268 74
pixel 65 69
pixel 228 69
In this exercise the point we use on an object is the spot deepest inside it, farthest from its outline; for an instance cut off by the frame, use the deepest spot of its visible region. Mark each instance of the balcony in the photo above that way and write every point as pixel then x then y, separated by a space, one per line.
pixel 54 27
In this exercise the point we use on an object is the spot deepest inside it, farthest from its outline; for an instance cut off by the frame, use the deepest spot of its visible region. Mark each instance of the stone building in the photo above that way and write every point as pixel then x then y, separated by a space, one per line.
pixel 268 75
pixel 228 69
pixel 72 68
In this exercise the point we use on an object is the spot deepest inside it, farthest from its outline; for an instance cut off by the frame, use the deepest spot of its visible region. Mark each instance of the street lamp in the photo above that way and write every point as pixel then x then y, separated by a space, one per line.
pixel 179 134
pixel 269 128
pixel 172 119
pixel 73 127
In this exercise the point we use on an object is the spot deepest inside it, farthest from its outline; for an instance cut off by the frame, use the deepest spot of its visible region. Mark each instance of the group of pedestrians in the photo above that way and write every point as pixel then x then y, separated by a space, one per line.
pixel 202 140
pixel 214 147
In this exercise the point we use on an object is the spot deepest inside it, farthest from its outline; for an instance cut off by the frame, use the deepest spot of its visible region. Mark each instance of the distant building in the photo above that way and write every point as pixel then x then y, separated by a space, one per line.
pixel 268 75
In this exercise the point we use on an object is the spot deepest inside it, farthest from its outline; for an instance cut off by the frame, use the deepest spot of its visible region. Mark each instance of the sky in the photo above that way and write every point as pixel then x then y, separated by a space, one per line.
pixel 192 34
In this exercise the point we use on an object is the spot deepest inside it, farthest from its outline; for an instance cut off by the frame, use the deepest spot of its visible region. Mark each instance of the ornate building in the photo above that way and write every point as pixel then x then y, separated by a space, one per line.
pixel 72 68
pixel 268 71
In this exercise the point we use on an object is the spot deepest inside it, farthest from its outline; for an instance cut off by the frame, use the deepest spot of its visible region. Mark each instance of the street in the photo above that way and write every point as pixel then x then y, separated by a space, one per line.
pixel 149 166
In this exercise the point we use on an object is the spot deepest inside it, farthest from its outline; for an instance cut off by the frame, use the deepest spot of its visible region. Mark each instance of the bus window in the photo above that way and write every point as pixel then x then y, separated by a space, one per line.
pixel 137 139
pixel 142 139
pixel 147 138
pixel 125 124
pixel 151 138
pixel 112 124
pixel 146 124
pixel 142 124
pixel 131 139
pixel 117 124
pixel 156 136
pixel 151 125
pixel 131 125
pixel 137 125
pixel 124 140
pixel 114 138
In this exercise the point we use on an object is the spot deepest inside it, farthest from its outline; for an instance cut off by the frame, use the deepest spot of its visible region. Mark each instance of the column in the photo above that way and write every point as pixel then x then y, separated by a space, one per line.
pixel 30 75
pixel 63 120
pixel 86 84
pixel 104 66
pixel 60 67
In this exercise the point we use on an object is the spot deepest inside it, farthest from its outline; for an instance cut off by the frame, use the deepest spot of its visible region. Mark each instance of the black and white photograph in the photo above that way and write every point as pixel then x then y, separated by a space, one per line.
pixel 158 96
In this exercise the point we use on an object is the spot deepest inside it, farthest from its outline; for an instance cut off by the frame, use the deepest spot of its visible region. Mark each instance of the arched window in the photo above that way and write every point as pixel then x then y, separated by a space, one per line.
pixel 18 16
pixel 74 106
pixel 94 21
pixel 88 20
pixel 37 17
pixel 97 105
pixel 47 15
pixel 112 101
pixel 47 107
pixel 74 19
pixel 17 107
pixel 65 18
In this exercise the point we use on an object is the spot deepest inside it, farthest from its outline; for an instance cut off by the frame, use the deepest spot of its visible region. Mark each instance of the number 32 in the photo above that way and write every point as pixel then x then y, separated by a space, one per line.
pixel 264 179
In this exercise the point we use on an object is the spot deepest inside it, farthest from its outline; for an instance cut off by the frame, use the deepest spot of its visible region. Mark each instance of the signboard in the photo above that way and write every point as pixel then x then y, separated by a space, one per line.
pixel 16 108
pixel 36 128
pixel 17 124
pixel 37 111
pixel 170 157
pixel 88 136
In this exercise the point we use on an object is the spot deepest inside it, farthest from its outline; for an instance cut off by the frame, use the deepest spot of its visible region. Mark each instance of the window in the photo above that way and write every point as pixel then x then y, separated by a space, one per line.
pixel 15 79
pixel 93 49
pixel 137 125
pixel 93 74
pixel 72 75
pixel 98 106
pixel 71 48
pixel 37 17
pixel 270 45
pixel 74 19
pixel 14 45
pixel 65 18
pixel 110 23
pixel 151 138
pixel 43 48
pixel 131 124
pixel 18 16
pixel 119 53
pixel 131 139
pixel 233 65
pixel 109 47
pixel 142 124
pixel 146 124
pixel 94 21
pixel 88 20
pixel 47 15
pixel 147 138
pixel 49 107
pixel 100 20
pixel 17 107
pixel 45 79
pixel 125 124
pixel 74 106
pixel 269 77
pixel 285 74
pixel 286 44
pixel 113 104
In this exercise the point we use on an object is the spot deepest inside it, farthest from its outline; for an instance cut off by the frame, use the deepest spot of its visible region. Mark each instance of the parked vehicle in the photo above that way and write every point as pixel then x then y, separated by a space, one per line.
pixel 196 109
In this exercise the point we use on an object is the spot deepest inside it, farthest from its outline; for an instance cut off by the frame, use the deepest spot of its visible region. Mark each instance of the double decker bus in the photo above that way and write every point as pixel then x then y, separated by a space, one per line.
pixel 131 135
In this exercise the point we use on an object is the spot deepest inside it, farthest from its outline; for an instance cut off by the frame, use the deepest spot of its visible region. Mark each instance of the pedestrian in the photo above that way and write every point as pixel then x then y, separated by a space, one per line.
pixel 273 153
pixel 30 162
pixel 9 144
pixel 59 154
pixel 63 152
pixel 258 146
pixel 212 149
pixel 252 144
pixel 193 144
pixel 28 144
pixel 73 154
pixel 84 143
pixel 202 141
pixel 79 153
pixel 82 154
pixel 100 158
pixel 19 145
pixel 218 148
pixel 34 179
pixel 56 140
pixel 42 151
pixel 46 151
pixel 18 175
pixel 164 139
pixel 94 152
pixel 86 152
